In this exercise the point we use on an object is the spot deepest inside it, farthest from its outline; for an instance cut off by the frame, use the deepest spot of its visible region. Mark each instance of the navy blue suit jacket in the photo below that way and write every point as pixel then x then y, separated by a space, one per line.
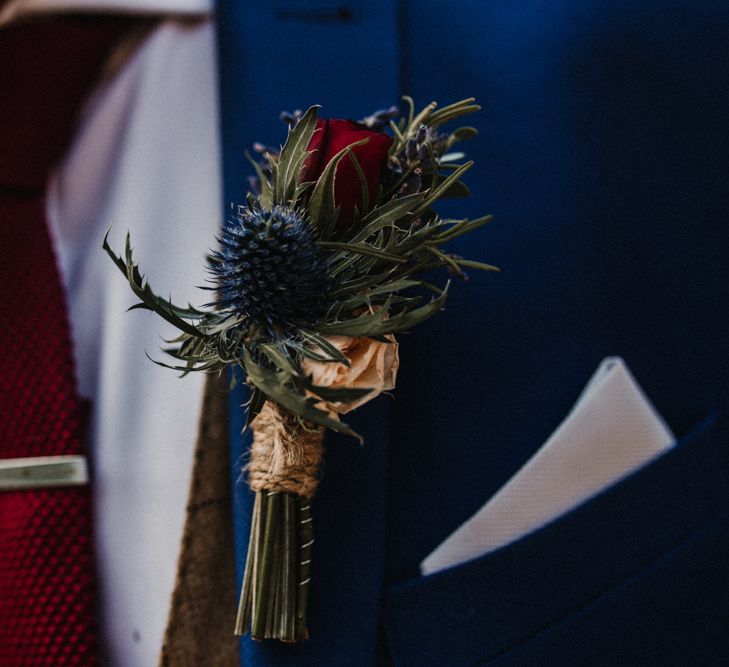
pixel 604 157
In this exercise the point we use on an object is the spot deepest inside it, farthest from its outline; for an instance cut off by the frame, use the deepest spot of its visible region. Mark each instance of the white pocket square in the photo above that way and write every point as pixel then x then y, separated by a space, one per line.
pixel 612 430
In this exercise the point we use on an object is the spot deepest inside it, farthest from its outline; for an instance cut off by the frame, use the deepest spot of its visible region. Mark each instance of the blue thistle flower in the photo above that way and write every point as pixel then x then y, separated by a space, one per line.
pixel 270 272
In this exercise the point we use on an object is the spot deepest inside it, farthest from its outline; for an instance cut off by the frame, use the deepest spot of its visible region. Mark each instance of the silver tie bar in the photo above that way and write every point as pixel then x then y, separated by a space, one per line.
pixel 42 472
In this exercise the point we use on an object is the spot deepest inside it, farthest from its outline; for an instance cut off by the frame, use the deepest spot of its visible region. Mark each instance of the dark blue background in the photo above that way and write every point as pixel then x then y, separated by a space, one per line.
pixel 604 158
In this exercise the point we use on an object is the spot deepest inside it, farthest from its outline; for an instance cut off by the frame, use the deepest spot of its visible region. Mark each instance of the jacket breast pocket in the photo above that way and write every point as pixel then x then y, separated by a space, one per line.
pixel 636 574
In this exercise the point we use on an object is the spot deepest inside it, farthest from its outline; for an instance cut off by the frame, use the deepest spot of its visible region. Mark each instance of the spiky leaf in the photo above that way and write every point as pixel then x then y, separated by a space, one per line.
pixel 322 213
pixel 286 170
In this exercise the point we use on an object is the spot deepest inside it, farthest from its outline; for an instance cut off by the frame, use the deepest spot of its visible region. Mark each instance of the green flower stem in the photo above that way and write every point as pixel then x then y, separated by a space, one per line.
pixel 287 624
pixel 275 589
pixel 306 542
pixel 273 610
pixel 246 597
pixel 269 519
pixel 258 553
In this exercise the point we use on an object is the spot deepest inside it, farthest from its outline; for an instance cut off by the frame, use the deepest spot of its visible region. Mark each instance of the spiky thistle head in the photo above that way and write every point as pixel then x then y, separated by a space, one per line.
pixel 270 272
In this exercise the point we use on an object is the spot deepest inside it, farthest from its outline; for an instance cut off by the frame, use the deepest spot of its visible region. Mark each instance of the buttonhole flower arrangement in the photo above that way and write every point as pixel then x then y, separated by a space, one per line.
pixel 314 275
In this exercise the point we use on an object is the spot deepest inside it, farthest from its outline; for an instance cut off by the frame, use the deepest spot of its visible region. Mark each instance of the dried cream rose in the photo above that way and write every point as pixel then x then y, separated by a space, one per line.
pixel 373 365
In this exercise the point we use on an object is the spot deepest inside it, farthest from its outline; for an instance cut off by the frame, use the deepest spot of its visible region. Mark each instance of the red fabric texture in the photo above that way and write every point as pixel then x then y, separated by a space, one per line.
pixel 332 136
pixel 47 589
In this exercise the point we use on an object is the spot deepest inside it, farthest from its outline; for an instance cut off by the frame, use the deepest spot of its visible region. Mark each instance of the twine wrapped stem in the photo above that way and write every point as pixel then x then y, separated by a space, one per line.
pixel 285 455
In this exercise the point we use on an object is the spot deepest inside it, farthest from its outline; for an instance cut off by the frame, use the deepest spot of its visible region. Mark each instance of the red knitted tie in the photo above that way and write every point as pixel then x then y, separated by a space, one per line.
pixel 47 591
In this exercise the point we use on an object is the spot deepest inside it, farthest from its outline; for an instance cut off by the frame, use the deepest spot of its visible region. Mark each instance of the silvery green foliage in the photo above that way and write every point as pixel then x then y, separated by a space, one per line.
pixel 365 283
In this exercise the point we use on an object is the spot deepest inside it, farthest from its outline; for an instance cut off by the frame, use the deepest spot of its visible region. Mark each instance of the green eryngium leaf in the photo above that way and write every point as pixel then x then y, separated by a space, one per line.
pixel 443 186
pixel 362 181
pixel 378 323
pixel 321 204
pixel 339 395
pixel 461 228
pixel 280 359
pixel 317 340
pixel 386 215
pixel 278 387
pixel 286 170
pixel 361 249
pixel 162 307
pixel 266 197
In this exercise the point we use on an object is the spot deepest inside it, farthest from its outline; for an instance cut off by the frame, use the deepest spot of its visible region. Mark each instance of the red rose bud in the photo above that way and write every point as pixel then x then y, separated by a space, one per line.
pixel 330 138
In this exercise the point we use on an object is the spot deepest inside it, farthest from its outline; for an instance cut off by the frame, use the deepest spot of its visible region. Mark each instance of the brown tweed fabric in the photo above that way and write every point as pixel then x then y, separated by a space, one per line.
pixel 202 615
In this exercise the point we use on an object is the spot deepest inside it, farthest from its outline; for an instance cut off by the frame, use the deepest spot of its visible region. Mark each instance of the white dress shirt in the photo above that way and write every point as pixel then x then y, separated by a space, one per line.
pixel 146 160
